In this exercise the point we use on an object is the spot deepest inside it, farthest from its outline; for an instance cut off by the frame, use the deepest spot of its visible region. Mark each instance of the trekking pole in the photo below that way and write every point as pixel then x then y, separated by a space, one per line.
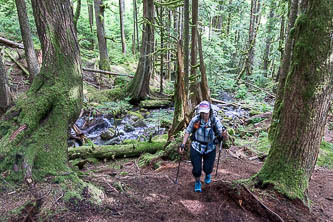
pixel 176 181
pixel 218 160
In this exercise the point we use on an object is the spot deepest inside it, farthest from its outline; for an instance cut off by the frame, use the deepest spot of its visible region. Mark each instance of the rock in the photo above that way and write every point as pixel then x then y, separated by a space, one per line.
pixel 140 123
pixel 108 134
pixel 113 141
pixel 129 128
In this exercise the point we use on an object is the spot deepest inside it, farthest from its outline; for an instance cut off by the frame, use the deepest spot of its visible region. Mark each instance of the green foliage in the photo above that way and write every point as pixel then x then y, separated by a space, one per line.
pixel 325 158
pixel 241 92
pixel 115 108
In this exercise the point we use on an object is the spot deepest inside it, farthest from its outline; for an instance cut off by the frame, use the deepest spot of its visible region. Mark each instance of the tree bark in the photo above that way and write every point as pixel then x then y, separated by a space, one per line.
pixel 5 96
pixel 29 48
pixel 139 87
pixel 33 133
pixel 122 29
pixel 104 63
pixel 204 81
pixel 269 37
pixel 136 23
pixel 181 106
pixel 285 64
pixel 162 51
pixel 91 15
pixel 305 101
pixel 195 87
pixel 186 44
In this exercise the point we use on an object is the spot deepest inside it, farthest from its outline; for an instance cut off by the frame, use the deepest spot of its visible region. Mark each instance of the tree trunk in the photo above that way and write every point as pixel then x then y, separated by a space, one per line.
pixel 116 151
pixel 5 96
pixel 77 13
pixel 285 65
pixel 33 133
pixel 29 48
pixel 269 37
pixel 134 30
pixel 229 19
pixel 186 44
pixel 162 51
pixel 122 29
pixel 253 29
pixel 204 82
pixel 305 101
pixel 180 120
pixel 104 63
pixel 91 15
pixel 136 23
pixel 281 49
pixel 139 87
pixel 195 87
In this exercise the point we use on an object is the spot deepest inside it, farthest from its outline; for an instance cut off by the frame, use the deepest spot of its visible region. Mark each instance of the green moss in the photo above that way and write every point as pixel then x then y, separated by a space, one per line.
pixel 155 103
pixel 135 114
pixel 325 158
pixel 285 177
pixel 100 96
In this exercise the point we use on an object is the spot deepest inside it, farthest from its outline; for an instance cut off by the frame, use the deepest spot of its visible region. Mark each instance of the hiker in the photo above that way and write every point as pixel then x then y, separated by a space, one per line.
pixel 206 130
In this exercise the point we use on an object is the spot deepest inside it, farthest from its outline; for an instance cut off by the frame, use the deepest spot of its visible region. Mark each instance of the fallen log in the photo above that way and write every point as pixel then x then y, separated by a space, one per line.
pixel 10 43
pixel 114 151
pixel 106 72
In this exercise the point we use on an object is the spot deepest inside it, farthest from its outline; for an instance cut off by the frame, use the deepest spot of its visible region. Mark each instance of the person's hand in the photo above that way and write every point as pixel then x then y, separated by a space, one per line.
pixel 181 149
pixel 225 135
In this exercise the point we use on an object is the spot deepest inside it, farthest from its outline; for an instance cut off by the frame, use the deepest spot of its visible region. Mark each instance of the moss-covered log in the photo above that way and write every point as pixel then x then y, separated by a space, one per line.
pixel 155 103
pixel 306 99
pixel 114 151
pixel 33 134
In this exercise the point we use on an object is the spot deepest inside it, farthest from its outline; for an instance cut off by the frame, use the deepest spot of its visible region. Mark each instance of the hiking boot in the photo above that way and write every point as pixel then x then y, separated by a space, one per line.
pixel 208 179
pixel 197 186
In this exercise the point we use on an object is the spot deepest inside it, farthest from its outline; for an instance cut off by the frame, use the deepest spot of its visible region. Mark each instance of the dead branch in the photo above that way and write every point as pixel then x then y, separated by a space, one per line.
pixel 12 44
pixel 18 64
pixel 106 72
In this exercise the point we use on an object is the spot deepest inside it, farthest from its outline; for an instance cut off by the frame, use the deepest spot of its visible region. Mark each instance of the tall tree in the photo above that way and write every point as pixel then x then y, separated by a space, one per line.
pixel 139 87
pixel 253 30
pixel 122 29
pixel 305 101
pixel 33 133
pixel 29 48
pixel 285 64
pixel 186 43
pixel 5 96
pixel 269 36
pixel 104 63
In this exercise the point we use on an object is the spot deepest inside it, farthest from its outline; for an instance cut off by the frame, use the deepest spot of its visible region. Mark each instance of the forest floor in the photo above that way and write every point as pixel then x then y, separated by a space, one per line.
pixel 143 194
pixel 132 193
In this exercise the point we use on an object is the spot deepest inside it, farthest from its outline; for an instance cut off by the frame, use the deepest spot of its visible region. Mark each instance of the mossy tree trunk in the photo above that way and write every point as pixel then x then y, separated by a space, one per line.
pixel 29 48
pixel 180 118
pixel 104 63
pixel 305 103
pixel 122 29
pixel 5 96
pixel 139 87
pixel 286 60
pixel 33 133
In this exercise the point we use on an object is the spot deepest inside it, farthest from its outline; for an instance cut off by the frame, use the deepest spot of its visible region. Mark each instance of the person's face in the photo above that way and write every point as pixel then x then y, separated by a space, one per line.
pixel 205 116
